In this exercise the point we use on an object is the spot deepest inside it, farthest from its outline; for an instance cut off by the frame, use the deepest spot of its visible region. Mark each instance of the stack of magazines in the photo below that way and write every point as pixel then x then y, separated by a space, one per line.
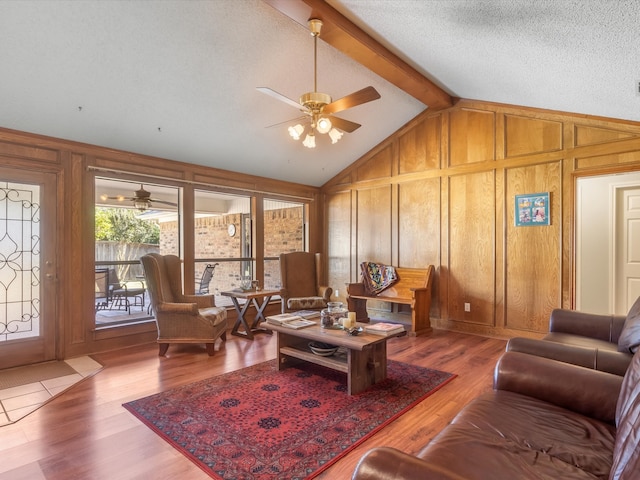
pixel 307 313
pixel 384 329
pixel 289 320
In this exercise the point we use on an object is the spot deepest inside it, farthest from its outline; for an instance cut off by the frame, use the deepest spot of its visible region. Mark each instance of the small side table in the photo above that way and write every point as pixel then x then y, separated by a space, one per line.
pixel 251 296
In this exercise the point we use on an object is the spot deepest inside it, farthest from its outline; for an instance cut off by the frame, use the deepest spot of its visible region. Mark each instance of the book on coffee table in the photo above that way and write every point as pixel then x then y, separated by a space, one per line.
pixel 289 320
pixel 384 329
pixel 307 313
pixel 301 323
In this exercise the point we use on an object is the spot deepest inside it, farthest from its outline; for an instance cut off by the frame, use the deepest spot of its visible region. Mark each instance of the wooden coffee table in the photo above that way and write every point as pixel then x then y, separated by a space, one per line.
pixel 365 362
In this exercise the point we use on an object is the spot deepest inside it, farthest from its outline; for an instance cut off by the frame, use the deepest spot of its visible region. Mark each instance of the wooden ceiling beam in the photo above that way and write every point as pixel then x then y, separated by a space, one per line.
pixel 344 35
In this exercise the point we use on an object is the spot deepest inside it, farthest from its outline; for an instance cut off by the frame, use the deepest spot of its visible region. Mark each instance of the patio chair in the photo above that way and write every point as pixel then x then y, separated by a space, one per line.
pixel 102 288
pixel 301 275
pixel 120 293
pixel 181 318
pixel 205 280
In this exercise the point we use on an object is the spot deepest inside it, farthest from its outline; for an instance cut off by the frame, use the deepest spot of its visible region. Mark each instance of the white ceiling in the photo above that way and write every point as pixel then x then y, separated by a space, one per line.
pixel 177 79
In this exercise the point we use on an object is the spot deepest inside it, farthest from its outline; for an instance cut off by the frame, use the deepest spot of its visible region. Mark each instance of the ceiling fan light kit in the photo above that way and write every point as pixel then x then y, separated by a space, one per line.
pixel 310 140
pixel 319 107
pixel 296 131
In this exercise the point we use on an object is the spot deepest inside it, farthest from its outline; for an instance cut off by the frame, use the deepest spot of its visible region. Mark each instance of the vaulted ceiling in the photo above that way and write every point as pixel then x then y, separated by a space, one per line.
pixel 177 79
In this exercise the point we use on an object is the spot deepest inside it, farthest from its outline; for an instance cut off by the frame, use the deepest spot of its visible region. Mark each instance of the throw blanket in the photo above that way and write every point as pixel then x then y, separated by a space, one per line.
pixel 376 277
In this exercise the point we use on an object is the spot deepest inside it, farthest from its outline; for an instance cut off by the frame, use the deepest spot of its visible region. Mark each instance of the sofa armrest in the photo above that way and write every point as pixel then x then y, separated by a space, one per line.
pixel 582 390
pixel 385 463
pixel 356 289
pixel 602 327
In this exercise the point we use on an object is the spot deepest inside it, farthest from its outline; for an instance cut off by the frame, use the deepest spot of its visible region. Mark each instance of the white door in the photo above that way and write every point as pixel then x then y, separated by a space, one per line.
pixel 27 267
pixel 627 248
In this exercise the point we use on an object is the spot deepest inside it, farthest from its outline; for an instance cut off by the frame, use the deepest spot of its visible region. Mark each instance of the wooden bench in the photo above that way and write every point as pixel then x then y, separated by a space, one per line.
pixel 412 288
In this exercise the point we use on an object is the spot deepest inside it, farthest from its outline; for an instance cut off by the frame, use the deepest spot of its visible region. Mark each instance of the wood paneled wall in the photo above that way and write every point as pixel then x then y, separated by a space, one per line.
pixel 74 164
pixel 441 191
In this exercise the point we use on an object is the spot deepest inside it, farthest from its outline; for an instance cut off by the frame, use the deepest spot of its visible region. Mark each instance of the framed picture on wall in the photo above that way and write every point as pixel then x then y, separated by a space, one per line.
pixel 532 210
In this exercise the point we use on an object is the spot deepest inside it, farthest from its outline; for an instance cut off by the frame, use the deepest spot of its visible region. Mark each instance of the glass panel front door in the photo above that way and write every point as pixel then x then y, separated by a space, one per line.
pixel 27 268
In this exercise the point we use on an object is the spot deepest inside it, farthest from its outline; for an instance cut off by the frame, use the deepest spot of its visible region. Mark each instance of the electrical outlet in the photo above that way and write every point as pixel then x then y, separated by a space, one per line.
pixel 467 307
pixel 337 293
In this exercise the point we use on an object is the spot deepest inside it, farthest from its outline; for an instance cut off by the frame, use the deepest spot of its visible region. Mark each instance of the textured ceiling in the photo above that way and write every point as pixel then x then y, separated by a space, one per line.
pixel 177 79
pixel 579 56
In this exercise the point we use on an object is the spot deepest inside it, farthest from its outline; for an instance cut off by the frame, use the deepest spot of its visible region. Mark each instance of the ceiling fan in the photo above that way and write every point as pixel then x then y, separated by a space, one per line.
pixel 318 108
pixel 142 199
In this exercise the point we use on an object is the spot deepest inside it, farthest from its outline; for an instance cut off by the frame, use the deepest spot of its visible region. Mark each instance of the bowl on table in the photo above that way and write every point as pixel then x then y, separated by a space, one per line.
pixel 322 349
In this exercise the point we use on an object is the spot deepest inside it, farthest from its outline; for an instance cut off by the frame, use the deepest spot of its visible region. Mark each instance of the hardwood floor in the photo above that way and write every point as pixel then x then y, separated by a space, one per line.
pixel 86 433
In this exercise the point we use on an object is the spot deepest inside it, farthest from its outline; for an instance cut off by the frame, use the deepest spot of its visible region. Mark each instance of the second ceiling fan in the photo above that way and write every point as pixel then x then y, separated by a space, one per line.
pixel 141 200
pixel 319 108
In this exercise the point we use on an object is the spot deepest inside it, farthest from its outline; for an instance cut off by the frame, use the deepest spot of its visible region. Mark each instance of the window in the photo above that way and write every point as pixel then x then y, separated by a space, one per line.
pixel 223 239
pixel 284 231
pixel 128 225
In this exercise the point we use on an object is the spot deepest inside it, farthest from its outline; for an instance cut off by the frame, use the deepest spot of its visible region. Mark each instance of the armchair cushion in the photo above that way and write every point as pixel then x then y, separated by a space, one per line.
pixel 306 303
pixel 629 340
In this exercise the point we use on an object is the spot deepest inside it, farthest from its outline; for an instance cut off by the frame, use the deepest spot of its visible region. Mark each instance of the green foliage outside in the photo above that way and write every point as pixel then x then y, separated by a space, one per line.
pixel 122 225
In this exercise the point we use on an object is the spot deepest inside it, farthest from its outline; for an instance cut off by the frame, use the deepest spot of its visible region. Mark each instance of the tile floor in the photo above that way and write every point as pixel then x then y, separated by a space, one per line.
pixel 17 402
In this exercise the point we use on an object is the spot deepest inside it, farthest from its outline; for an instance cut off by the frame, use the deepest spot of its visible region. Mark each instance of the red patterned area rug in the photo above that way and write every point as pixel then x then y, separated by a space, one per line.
pixel 258 423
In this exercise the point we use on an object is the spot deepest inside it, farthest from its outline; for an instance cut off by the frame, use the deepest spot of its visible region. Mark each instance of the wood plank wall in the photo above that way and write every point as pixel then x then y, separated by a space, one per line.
pixel 441 191
pixel 73 163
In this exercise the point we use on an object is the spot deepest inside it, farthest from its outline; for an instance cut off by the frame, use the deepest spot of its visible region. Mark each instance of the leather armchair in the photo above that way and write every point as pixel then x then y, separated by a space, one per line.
pixel 181 318
pixel 301 274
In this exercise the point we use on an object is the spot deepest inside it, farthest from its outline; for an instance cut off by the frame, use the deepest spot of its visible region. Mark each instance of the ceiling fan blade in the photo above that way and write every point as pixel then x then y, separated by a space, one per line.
pixel 365 95
pixel 344 125
pixel 279 96
pixel 292 121
pixel 153 200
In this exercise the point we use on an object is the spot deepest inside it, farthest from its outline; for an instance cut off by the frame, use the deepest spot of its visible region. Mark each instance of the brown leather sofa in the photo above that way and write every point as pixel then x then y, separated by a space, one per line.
pixel 544 419
pixel 601 342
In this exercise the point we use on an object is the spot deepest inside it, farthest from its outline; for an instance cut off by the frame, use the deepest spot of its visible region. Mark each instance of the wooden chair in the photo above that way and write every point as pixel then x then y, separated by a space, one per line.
pixel 181 318
pixel 301 277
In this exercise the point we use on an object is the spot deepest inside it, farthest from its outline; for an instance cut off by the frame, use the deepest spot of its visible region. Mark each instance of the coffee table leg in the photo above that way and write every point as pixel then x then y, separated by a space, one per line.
pixel 366 367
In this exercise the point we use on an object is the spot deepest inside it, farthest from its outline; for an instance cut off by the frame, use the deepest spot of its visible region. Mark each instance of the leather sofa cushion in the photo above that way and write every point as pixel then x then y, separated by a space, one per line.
pixel 564 349
pixel 629 340
pixel 626 455
pixel 506 435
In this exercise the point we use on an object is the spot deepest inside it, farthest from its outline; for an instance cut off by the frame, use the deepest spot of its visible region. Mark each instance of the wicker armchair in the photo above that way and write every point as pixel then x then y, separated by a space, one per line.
pixel 301 277
pixel 180 318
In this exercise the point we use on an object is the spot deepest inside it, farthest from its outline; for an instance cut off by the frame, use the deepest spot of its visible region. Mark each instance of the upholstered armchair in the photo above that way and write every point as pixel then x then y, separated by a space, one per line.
pixel 301 277
pixel 180 318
